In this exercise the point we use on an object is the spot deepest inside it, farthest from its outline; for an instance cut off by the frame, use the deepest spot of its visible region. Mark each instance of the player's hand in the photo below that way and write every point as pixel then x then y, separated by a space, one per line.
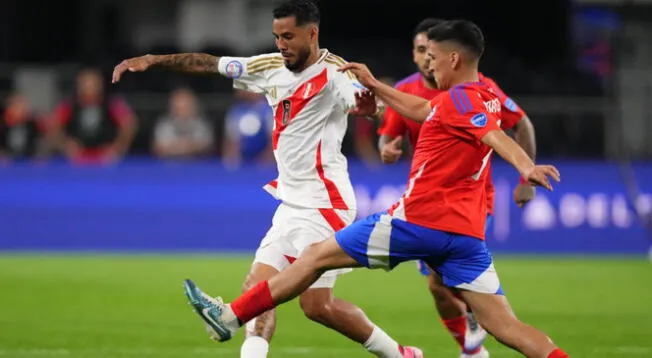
pixel 365 104
pixel 361 71
pixel 136 64
pixel 391 151
pixel 538 175
pixel 523 194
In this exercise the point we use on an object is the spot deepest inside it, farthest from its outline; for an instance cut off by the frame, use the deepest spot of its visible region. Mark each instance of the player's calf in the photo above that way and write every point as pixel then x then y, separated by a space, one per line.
pixel 495 315
pixel 319 305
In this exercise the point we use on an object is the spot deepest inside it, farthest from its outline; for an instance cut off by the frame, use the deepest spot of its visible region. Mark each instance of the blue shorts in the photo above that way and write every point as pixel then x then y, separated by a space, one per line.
pixel 380 241
pixel 423 267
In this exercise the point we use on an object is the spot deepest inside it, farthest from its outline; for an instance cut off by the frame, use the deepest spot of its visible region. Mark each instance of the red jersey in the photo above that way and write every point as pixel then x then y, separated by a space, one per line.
pixel 446 189
pixel 394 124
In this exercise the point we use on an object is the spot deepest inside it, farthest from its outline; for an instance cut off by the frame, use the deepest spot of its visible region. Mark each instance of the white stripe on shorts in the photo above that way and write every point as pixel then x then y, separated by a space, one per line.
pixel 487 282
pixel 378 244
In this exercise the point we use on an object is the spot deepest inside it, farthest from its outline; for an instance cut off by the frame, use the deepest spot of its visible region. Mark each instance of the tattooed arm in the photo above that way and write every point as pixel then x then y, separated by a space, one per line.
pixel 183 62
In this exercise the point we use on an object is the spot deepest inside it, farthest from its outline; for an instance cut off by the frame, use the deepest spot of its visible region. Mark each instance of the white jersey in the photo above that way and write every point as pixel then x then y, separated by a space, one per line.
pixel 310 119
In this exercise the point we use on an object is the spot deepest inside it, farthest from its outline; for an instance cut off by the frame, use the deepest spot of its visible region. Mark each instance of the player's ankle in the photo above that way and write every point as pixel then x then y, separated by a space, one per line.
pixel 382 345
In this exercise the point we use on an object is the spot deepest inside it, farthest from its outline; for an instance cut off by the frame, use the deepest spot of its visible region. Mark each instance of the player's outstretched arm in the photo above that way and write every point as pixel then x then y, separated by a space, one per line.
pixel 525 137
pixel 507 148
pixel 183 62
pixel 408 105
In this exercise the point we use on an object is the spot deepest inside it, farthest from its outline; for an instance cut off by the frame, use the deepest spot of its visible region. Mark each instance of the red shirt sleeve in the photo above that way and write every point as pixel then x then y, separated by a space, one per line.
pixel 63 113
pixel 466 114
pixel 120 112
pixel 393 125
pixel 511 113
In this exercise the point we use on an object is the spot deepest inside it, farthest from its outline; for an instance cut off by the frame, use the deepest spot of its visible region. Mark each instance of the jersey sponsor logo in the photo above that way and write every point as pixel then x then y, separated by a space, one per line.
pixel 479 120
pixel 510 104
pixel 492 106
pixel 234 69
pixel 287 107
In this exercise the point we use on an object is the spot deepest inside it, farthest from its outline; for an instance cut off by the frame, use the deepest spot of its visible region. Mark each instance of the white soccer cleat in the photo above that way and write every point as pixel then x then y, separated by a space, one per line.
pixel 474 338
pixel 483 353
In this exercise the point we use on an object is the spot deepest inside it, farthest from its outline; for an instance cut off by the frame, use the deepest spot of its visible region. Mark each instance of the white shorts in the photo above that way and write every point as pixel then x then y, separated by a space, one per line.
pixel 294 230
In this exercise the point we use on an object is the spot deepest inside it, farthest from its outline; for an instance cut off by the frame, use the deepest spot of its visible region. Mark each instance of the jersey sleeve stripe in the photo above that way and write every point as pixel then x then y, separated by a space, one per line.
pixel 262 59
pixel 457 102
pixel 465 100
pixel 349 74
pixel 261 66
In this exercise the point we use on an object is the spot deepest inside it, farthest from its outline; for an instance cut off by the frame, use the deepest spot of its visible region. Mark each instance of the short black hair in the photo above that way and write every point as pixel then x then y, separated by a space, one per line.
pixel 464 32
pixel 304 11
pixel 425 25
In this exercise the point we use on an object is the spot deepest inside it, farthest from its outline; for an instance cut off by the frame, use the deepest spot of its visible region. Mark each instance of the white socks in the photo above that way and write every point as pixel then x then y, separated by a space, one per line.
pixel 254 347
pixel 230 319
pixel 381 345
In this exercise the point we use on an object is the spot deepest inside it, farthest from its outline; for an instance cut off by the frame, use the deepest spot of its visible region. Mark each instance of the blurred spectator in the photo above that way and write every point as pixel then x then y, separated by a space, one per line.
pixel 249 124
pixel 92 127
pixel 365 135
pixel 22 134
pixel 182 133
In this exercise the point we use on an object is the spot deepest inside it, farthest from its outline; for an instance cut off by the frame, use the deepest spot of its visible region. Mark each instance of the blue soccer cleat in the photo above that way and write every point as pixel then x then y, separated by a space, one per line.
pixel 210 310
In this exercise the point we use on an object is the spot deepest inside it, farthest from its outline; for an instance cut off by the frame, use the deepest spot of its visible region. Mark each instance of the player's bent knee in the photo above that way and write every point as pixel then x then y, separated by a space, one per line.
pixel 316 304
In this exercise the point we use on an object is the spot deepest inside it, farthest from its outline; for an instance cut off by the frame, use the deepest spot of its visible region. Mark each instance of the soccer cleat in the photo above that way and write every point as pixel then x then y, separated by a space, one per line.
pixel 483 353
pixel 412 352
pixel 474 336
pixel 209 309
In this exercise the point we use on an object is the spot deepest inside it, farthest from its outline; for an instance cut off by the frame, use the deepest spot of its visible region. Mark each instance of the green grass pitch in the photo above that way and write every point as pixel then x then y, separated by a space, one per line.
pixel 112 306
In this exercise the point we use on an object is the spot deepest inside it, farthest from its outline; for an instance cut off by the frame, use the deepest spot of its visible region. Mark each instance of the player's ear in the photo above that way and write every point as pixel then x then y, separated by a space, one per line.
pixel 313 33
pixel 454 58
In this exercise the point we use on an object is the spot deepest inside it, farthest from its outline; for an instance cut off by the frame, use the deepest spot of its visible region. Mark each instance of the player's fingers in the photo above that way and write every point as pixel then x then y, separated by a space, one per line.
pixel 545 183
pixel 397 141
pixel 552 172
pixel 348 66
pixel 117 71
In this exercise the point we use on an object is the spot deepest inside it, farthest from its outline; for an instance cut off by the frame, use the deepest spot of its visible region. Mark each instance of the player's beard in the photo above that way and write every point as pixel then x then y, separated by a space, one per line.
pixel 429 78
pixel 302 58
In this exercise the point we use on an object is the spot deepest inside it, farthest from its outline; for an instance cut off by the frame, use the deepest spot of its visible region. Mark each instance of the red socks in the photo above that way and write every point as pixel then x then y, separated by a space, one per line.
pixel 253 303
pixel 457 328
pixel 558 353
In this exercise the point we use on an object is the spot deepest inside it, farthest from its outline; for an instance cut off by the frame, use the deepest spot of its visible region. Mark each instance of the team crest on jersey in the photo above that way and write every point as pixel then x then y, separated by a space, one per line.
pixel 479 120
pixel 432 113
pixel 511 105
pixel 287 106
pixel 234 69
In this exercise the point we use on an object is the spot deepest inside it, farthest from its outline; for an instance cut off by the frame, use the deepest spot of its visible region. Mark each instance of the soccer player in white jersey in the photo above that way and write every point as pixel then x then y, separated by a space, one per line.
pixel 311 101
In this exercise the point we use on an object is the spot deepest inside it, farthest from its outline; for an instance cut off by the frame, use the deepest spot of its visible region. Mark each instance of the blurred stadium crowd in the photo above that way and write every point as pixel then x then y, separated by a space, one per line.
pixel 565 78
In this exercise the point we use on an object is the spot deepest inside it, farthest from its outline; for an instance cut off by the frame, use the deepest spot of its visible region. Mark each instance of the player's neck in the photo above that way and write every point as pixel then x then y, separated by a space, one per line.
pixel 467 76
pixel 312 59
